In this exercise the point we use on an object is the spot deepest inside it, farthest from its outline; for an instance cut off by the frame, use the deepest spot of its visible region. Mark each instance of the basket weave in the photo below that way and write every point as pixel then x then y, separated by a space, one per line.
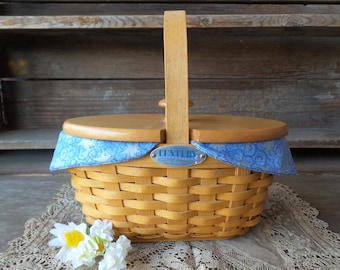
pixel 212 200
pixel 150 201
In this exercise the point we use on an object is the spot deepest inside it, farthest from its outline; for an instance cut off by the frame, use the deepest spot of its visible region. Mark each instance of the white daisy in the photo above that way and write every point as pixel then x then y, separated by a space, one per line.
pixel 68 237
pixel 102 229
pixel 85 253
pixel 114 257
pixel 125 244
pixel 81 246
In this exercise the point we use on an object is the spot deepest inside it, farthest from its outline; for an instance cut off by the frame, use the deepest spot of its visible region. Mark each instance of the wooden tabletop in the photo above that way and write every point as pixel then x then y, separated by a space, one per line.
pixel 151 128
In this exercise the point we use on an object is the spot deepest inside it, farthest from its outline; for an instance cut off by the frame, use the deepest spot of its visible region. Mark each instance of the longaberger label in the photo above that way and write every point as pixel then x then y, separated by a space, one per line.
pixel 178 155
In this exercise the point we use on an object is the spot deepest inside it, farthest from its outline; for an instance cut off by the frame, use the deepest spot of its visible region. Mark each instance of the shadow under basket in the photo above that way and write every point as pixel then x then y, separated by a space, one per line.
pixel 212 200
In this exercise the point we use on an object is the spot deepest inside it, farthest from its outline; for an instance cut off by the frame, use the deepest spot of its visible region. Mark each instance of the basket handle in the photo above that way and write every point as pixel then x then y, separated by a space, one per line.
pixel 176 77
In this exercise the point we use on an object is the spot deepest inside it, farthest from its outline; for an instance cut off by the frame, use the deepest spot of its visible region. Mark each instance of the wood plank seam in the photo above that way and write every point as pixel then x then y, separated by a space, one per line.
pixel 156 21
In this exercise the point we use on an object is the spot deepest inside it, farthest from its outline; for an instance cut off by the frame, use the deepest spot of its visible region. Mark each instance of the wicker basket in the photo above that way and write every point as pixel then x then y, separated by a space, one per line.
pixel 212 200
pixel 150 201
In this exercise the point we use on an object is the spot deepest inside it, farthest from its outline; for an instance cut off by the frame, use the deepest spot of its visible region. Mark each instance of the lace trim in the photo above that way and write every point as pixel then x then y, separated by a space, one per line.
pixel 306 246
pixel 289 237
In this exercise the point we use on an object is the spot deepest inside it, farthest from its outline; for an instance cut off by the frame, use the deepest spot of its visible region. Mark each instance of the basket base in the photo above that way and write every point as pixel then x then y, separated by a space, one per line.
pixel 209 201
pixel 183 237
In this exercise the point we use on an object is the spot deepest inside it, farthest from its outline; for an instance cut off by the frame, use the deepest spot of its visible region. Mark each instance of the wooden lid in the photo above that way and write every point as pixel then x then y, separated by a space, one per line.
pixel 118 127
pixel 151 128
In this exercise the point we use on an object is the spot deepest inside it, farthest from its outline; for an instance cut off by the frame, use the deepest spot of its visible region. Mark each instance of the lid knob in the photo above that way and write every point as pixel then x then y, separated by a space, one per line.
pixel 162 103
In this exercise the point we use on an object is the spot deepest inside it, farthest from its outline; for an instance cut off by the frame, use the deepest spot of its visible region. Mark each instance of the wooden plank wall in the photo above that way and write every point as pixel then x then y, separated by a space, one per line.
pixel 292 75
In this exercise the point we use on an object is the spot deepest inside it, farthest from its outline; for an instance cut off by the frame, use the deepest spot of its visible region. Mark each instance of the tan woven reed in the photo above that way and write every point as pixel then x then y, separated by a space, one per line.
pixel 148 201
pixel 213 200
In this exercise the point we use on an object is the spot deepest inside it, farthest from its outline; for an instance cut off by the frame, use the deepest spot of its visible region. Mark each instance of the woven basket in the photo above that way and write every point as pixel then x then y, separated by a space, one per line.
pixel 212 200
pixel 151 201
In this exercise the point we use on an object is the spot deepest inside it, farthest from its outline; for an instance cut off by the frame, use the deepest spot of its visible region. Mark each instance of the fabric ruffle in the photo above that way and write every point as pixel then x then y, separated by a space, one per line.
pixel 73 151
pixel 271 156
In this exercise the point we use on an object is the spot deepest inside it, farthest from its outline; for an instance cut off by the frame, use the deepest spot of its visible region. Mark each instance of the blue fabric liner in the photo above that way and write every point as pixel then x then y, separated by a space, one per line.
pixel 73 151
pixel 271 156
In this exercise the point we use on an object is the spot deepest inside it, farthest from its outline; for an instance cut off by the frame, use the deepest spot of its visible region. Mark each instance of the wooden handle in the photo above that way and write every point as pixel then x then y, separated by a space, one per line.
pixel 176 77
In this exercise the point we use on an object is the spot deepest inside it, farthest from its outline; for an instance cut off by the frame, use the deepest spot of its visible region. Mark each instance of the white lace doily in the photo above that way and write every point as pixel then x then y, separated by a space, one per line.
pixel 290 236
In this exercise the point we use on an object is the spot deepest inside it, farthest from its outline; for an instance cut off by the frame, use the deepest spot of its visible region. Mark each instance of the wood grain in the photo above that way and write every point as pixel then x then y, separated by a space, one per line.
pixel 276 61
pixel 304 104
pixel 155 21
pixel 176 77
pixel 213 53
pixel 25 8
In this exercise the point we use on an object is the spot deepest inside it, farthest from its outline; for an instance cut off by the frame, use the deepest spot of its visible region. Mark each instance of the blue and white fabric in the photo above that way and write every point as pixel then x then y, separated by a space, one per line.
pixel 73 151
pixel 272 156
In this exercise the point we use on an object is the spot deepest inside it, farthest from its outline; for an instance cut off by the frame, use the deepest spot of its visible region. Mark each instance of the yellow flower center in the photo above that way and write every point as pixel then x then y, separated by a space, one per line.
pixel 100 247
pixel 73 238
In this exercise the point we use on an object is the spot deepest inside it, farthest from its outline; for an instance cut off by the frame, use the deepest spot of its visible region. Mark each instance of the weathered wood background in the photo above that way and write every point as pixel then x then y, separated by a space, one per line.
pixel 290 74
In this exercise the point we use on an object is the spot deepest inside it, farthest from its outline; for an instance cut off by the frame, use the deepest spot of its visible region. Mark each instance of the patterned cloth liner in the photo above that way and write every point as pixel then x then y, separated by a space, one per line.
pixel 271 156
